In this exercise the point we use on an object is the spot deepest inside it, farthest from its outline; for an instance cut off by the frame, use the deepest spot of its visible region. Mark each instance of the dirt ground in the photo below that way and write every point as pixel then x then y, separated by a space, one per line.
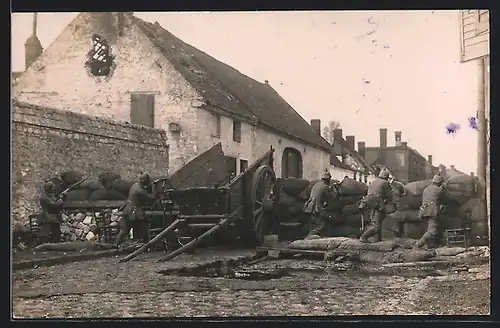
pixel 106 288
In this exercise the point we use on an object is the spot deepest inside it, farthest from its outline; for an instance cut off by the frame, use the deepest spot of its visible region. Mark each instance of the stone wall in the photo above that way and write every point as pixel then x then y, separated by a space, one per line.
pixel 46 140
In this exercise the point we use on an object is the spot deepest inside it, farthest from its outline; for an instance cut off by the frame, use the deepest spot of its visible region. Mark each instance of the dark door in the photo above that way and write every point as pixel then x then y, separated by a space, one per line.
pixel 291 164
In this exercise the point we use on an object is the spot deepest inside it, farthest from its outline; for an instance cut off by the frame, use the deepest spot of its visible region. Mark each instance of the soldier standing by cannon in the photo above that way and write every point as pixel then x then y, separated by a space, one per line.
pixel 378 194
pixel 321 194
pixel 132 215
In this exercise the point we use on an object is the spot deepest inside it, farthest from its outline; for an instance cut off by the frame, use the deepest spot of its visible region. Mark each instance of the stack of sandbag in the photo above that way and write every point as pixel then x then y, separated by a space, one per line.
pixel 416 188
pixel 350 194
pixel 379 252
pixel 79 193
pixel 475 211
pixel 109 186
pixel 461 188
pixel 292 198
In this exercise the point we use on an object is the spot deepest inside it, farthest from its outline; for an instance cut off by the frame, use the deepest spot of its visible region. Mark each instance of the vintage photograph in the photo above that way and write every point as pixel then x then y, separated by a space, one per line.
pixel 243 164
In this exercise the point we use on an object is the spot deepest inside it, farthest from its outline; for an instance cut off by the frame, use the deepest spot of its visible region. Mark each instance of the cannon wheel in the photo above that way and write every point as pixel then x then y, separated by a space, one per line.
pixel 263 183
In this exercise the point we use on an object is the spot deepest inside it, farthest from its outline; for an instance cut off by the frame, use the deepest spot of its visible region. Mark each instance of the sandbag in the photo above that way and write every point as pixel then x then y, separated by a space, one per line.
pixel 464 184
pixel 409 202
pixel 405 216
pixel 449 251
pixel 307 192
pixel 122 186
pixel 320 244
pixel 390 207
pixel 290 204
pixel 294 186
pixel 93 184
pixel 107 178
pixel 70 177
pixel 351 209
pixel 351 187
pixel 59 184
pixel 348 200
pixel 479 230
pixel 77 195
pixel 355 244
pixel 107 194
pixel 416 188
pixel 398 188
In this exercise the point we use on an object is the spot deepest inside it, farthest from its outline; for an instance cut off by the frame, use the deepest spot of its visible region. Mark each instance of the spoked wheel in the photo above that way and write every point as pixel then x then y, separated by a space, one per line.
pixel 263 183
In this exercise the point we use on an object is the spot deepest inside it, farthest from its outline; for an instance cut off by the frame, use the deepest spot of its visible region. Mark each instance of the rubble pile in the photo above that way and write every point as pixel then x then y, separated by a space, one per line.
pixel 88 226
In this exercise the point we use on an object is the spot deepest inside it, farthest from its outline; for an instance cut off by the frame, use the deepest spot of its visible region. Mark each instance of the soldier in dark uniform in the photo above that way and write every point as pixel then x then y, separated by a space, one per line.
pixel 50 218
pixel 379 193
pixel 321 194
pixel 133 215
pixel 433 198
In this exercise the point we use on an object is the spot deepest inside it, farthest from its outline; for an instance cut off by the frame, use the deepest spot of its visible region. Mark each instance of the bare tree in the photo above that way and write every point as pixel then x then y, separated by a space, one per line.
pixel 328 130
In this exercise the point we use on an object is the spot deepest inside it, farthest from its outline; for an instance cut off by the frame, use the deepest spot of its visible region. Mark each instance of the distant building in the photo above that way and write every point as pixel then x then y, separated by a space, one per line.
pixel 346 161
pixel 406 163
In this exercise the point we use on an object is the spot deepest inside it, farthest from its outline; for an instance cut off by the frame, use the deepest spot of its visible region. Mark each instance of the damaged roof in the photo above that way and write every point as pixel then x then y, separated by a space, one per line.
pixel 354 154
pixel 226 88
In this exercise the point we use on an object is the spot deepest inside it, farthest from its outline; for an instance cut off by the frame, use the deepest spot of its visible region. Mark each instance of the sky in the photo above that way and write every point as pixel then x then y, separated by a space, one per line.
pixel 398 70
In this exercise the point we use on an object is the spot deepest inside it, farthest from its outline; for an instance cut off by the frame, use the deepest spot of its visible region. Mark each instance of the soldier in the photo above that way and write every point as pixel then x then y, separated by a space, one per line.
pixel 321 194
pixel 433 198
pixel 379 193
pixel 133 215
pixel 50 218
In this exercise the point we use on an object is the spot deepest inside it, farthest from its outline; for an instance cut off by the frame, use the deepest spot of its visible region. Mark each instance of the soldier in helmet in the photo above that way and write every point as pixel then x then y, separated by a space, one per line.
pixel 50 218
pixel 433 198
pixel 321 194
pixel 133 216
pixel 378 194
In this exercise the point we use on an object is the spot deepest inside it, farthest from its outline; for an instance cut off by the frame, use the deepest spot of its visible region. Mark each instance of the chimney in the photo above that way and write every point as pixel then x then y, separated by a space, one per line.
pixel 452 167
pixel 337 134
pixel 316 125
pixel 404 144
pixel 383 138
pixel 472 174
pixel 429 159
pixel 350 142
pixel 361 149
pixel 397 138
pixel 266 82
pixel 32 47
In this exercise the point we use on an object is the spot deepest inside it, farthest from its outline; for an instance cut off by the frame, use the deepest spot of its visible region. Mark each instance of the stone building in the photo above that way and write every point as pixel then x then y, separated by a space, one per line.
pixel 117 66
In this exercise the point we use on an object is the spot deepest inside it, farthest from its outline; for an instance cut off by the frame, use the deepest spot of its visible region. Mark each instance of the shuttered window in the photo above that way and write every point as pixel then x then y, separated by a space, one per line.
pixel 142 109
pixel 236 131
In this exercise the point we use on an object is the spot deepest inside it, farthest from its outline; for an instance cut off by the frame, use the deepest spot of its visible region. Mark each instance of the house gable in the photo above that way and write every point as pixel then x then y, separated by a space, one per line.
pixel 229 90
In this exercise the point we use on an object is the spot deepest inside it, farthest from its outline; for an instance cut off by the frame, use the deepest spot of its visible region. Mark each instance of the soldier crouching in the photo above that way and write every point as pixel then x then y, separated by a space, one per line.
pixel 321 194
pixel 379 193
pixel 433 198
pixel 133 216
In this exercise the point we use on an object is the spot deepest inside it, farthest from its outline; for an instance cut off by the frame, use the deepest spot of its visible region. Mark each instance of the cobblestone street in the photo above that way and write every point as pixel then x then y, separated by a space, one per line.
pixel 106 288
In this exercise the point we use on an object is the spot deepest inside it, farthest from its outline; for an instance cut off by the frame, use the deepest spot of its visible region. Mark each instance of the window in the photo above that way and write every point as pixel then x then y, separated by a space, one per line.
pixel 401 159
pixel 217 131
pixel 236 131
pixel 142 109
pixel 231 165
pixel 243 165
pixel 291 163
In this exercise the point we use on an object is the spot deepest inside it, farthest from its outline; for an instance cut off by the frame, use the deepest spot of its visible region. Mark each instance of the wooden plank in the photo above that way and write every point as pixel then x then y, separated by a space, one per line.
pixel 476 51
pixel 207 169
pixel 485 37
